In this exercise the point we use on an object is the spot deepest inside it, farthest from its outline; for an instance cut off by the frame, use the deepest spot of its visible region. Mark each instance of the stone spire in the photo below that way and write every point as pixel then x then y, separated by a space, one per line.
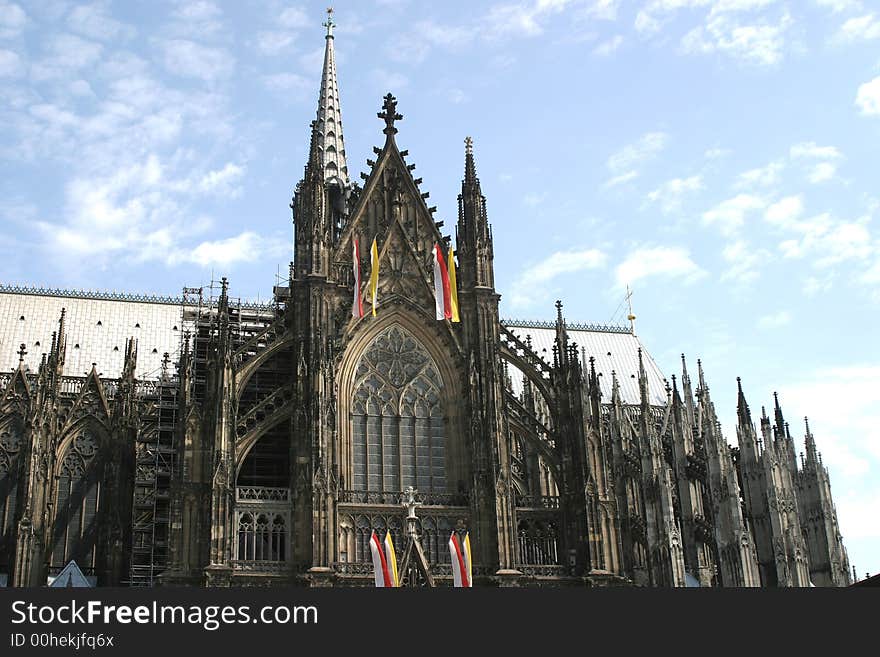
pixel 329 120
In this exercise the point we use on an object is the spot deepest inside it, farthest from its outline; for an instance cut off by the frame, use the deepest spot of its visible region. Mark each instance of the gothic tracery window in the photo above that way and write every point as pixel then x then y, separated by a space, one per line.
pixel 398 433
pixel 262 536
pixel 11 452
pixel 77 500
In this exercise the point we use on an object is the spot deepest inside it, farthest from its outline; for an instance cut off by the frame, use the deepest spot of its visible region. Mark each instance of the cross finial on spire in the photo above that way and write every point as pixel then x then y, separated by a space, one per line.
pixel 389 114
pixel 630 316
pixel 21 353
pixel 468 146
pixel 329 24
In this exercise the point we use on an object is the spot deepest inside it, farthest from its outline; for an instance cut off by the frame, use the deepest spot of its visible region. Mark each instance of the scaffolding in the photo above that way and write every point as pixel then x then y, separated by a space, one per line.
pixel 154 460
pixel 161 399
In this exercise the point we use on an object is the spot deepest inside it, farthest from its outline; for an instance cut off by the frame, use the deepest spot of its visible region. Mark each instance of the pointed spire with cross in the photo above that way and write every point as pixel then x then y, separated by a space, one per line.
pixel 329 24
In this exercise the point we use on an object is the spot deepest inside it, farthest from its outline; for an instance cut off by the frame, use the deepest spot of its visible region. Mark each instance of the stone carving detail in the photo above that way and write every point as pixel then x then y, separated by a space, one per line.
pixel 82 450
pixel 10 446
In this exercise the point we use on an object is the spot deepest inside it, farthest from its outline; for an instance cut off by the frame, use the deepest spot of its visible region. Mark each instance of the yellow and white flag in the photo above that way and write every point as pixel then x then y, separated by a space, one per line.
pixel 374 274
pixel 391 559
pixel 453 286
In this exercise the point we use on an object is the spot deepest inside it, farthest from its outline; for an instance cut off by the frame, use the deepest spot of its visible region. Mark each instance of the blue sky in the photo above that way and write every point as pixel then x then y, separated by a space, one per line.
pixel 719 156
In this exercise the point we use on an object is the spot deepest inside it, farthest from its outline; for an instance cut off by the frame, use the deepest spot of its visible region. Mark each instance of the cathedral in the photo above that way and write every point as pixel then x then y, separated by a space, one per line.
pixel 204 440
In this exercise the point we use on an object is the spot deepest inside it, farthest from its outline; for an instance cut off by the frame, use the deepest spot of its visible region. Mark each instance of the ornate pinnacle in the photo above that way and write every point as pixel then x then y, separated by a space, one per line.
pixel 389 114
pixel 21 353
pixel 468 146
pixel 329 24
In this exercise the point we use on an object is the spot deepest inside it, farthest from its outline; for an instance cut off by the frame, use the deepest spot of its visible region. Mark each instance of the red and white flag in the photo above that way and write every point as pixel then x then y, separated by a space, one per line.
pixel 442 298
pixel 385 576
pixel 461 561
pixel 357 304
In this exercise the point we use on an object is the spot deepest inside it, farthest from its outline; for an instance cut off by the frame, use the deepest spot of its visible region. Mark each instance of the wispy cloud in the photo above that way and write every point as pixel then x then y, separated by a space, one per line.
pixel 821 161
pixel 608 46
pixel 13 20
pixel 624 164
pixel 657 261
pixel 743 262
pixel 774 320
pixel 730 215
pixel 670 194
pixel 859 28
pixel 532 284
pixel 766 176
pixel 868 98
pixel 191 59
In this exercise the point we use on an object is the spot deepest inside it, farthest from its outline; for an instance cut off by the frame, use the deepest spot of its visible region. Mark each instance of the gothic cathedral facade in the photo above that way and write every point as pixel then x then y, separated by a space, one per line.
pixel 278 437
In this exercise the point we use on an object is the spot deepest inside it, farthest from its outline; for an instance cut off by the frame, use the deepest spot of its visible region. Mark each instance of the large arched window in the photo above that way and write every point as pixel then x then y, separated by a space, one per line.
pixel 11 456
pixel 77 500
pixel 398 429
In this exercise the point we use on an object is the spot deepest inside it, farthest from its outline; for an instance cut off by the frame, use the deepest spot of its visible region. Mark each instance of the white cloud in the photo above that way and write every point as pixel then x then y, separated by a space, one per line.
pixel 565 262
pixel 716 153
pixel 64 54
pixel 785 211
pixel 827 241
pixel 730 215
pixel 531 285
pixel 761 43
pixel 860 28
pixel 291 85
pixel 533 199
pixel 623 178
pixel 814 285
pixel 414 45
pixel 663 261
pixel 10 64
pixel 766 176
pixel 811 150
pixel 196 20
pixel 388 81
pixel 274 42
pixel 191 59
pixel 522 18
pixel 744 261
pixel 774 320
pixel 868 98
pixel 669 195
pixel 246 247
pixel 294 18
pixel 603 9
pixel 223 182
pixel 92 21
pixel 12 20
pixel 837 6
pixel 608 47
pixel 847 430
pixel 647 147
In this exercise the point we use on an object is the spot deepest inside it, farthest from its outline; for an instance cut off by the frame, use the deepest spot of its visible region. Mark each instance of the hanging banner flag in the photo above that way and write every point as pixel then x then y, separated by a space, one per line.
pixel 467 558
pixel 374 274
pixel 391 560
pixel 380 563
pixel 453 286
pixel 441 285
pixel 357 304
pixel 460 571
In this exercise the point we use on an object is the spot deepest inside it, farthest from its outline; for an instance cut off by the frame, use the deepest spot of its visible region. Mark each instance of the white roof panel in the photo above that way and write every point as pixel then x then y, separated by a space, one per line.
pixel 612 350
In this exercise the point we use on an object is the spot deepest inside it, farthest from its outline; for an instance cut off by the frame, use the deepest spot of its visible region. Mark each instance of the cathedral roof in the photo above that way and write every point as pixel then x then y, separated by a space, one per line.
pixel 613 348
